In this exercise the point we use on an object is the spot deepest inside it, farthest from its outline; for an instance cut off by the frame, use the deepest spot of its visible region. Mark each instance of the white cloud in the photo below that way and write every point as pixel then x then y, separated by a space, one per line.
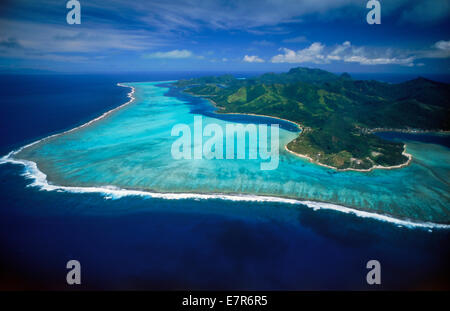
pixel 440 49
pixel 51 38
pixel 252 59
pixel 363 60
pixel 352 54
pixel 339 50
pixel 443 45
pixel 317 53
pixel 311 54
pixel 171 54
pixel 252 15
pixel 151 24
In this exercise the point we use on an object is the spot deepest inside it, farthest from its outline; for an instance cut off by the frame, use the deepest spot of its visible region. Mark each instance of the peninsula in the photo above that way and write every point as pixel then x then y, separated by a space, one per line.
pixel 338 115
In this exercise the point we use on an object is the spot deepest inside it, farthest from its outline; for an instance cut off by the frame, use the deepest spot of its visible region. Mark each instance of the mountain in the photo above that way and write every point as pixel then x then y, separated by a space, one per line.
pixel 337 113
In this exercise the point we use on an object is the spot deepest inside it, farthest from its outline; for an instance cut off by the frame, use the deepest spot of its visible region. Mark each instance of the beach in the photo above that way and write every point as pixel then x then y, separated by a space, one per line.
pixel 301 128
pixel 355 169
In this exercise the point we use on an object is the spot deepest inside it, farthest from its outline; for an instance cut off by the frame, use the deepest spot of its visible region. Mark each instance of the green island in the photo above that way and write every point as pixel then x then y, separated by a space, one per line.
pixel 337 114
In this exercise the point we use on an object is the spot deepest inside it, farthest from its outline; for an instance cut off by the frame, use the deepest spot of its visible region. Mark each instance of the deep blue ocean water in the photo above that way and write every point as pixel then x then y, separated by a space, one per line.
pixel 143 243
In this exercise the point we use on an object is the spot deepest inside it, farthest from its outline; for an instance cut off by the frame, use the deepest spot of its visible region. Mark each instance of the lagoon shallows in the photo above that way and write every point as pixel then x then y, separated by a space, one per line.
pixel 130 149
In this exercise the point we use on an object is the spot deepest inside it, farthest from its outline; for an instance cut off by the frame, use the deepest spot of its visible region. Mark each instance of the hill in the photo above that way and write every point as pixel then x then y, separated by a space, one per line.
pixel 338 113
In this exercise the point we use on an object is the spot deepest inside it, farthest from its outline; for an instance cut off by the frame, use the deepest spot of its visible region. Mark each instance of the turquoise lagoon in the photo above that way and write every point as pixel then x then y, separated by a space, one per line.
pixel 131 149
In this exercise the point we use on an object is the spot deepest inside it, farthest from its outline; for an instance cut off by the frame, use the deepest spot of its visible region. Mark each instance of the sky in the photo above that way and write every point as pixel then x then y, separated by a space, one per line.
pixel 218 35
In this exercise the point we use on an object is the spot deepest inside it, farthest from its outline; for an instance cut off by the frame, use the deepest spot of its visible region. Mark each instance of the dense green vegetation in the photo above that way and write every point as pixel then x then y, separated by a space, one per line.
pixel 337 112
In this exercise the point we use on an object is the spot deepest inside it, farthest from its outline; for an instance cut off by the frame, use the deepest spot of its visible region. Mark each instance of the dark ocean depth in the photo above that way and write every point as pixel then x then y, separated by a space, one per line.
pixel 143 243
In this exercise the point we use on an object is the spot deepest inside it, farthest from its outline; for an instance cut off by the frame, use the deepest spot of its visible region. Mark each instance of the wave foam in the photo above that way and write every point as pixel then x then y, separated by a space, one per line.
pixel 105 114
pixel 111 192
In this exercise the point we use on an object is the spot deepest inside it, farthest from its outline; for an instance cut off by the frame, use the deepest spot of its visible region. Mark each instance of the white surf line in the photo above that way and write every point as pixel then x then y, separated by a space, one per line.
pixel 105 114
pixel 111 192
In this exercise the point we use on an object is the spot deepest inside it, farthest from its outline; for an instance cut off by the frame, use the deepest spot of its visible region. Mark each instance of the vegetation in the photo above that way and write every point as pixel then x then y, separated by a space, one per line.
pixel 336 111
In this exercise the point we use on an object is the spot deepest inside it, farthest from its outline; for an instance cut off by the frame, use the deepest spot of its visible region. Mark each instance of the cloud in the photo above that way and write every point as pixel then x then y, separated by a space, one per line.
pixel 54 57
pixel 440 49
pixel 252 59
pixel 443 45
pixel 426 11
pixel 299 39
pixel 339 50
pixel 348 53
pixel 253 15
pixel 363 60
pixel 10 43
pixel 171 54
pixel 265 16
pixel 351 54
pixel 123 29
pixel 59 38
pixel 220 14
pixel 317 53
pixel 311 54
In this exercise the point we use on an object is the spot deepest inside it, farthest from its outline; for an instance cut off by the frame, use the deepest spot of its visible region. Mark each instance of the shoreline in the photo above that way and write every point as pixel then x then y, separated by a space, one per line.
pixel 102 116
pixel 111 192
pixel 408 131
pixel 214 104
pixel 303 156
pixel 298 125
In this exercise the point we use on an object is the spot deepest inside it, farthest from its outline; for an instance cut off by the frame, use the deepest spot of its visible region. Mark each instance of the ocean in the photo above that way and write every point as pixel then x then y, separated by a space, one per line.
pixel 140 242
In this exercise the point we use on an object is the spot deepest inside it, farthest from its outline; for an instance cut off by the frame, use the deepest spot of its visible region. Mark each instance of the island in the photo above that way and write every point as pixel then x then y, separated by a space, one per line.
pixel 338 116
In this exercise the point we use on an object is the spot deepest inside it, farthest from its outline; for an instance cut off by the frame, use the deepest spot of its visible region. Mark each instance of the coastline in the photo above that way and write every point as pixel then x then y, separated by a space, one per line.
pixel 110 192
pixel 409 131
pixel 303 156
pixel 408 155
pixel 298 125
pixel 102 116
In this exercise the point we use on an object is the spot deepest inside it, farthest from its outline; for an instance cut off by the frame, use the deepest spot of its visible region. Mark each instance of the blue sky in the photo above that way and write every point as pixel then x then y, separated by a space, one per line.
pixel 217 35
